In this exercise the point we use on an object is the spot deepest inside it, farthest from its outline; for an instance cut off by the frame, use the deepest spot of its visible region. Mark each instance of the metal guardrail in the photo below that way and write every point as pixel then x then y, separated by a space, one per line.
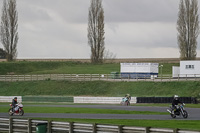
pixel 92 77
pixel 14 125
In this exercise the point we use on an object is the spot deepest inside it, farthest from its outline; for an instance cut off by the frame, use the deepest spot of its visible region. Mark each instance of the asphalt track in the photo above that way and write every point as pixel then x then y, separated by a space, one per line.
pixel 193 113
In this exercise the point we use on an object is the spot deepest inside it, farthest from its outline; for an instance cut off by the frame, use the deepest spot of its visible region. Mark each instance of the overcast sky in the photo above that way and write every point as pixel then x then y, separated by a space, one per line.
pixel 133 28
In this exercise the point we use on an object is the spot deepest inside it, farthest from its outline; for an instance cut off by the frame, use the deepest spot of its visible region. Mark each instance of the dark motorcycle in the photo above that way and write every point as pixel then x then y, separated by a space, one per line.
pixel 18 110
pixel 178 111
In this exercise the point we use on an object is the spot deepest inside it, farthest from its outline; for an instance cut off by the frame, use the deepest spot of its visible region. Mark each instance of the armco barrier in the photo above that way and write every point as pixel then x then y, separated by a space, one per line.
pixel 10 125
pixel 10 98
pixel 101 100
pixel 47 99
pixel 97 100
pixel 165 99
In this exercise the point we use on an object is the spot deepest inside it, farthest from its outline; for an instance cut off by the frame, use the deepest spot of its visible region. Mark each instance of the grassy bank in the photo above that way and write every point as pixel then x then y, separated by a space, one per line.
pixel 66 68
pixel 100 88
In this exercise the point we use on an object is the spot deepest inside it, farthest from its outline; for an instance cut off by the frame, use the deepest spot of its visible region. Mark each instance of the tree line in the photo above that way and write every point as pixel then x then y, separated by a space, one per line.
pixel 187 28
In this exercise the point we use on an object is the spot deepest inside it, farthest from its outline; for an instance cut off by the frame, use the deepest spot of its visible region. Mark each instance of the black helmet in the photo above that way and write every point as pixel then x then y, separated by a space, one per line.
pixel 15 98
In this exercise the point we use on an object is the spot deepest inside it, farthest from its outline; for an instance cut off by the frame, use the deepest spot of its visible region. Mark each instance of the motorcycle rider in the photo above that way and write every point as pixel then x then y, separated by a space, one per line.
pixel 128 97
pixel 14 102
pixel 175 102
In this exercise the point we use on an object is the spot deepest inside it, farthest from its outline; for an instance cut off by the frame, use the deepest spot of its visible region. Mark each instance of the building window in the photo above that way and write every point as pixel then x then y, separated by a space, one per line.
pixel 189 66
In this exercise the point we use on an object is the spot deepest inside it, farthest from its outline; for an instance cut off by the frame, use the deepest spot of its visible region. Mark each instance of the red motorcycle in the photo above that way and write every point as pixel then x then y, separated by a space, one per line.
pixel 18 110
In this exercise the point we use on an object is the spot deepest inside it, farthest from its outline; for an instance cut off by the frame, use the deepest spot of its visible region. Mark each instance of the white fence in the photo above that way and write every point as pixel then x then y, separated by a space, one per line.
pixel 92 77
pixel 14 125
pixel 102 100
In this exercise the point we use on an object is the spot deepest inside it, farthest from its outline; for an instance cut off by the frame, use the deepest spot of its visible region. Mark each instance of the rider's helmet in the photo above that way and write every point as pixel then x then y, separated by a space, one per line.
pixel 176 97
pixel 15 98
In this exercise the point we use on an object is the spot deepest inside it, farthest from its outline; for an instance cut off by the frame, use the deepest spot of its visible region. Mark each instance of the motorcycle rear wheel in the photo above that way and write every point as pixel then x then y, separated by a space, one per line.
pixel 10 112
pixel 173 115
pixel 21 112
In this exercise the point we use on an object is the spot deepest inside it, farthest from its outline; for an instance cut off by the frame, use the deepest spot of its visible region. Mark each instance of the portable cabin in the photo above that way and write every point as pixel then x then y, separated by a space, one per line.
pixel 189 68
pixel 138 70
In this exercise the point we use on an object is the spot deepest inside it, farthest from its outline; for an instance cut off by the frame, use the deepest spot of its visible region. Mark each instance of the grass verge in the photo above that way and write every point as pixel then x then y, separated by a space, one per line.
pixel 181 124
pixel 80 110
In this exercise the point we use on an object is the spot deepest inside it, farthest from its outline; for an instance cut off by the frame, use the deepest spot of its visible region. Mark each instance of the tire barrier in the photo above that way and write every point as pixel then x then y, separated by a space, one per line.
pixel 165 100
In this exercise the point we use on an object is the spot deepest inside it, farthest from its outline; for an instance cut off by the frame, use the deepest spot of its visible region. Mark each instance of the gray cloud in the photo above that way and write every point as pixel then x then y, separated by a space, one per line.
pixel 133 28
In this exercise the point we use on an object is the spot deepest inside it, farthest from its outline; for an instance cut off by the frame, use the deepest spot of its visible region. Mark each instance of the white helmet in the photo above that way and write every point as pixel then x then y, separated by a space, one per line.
pixel 176 97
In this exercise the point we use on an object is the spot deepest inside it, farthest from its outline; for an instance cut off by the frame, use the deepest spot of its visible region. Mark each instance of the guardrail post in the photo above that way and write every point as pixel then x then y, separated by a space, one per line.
pixel 178 77
pixel 10 125
pixel 147 129
pixel 120 129
pixel 49 126
pixel 71 127
pixel 175 131
pixel 94 128
pixel 29 126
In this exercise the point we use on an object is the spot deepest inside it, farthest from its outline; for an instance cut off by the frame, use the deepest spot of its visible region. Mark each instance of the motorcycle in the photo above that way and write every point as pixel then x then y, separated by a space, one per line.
pixel 125 102
pixel 18 110
pixel 178 111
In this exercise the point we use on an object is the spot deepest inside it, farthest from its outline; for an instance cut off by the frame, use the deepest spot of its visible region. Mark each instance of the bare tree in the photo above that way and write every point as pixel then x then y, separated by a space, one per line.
pixel 96 31
pixel 109 56
pixel 9 26
pixel 188 28
pixel 2 54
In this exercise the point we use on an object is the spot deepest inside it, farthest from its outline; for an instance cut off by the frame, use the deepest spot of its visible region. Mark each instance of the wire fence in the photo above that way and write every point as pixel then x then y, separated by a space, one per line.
pixel 11 125
pixel 104 77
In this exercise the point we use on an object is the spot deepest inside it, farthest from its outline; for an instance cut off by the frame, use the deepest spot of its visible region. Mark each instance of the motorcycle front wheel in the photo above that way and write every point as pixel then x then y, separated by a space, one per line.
pixel 128 103
pixel 21 112
pixel 185 115
pixel 10 112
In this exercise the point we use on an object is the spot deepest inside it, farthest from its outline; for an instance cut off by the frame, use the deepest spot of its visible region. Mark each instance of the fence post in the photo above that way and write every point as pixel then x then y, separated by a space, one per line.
pixel 175 130
pixel 94 128
pixel 29 126
pixel 147 129
pixel 120 129
pixel 49 126
pixel 10 125
pixel 71 127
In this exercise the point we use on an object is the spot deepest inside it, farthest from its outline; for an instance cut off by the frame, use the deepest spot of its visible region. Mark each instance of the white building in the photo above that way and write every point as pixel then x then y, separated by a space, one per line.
pixel 189 68
pixel 138 70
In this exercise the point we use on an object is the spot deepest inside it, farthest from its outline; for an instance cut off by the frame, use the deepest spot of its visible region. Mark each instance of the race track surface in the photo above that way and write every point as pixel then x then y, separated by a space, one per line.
pixel 193 113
